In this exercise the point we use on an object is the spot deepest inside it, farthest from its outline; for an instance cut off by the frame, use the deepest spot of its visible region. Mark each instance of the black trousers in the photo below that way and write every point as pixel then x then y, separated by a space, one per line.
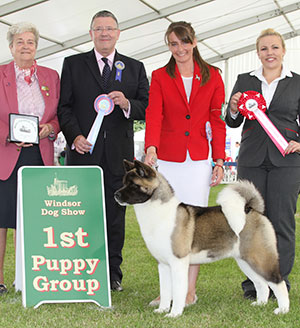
pixel 115 220
pixel 279 187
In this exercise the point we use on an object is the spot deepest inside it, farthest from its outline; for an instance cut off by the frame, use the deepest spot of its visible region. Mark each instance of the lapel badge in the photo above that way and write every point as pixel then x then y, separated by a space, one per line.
pixel 119 66
pixel 198 77
pixel 45 88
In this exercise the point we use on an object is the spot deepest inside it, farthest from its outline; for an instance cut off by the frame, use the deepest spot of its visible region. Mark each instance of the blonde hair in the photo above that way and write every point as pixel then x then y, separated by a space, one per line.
pixel 22 28
pixel 269 32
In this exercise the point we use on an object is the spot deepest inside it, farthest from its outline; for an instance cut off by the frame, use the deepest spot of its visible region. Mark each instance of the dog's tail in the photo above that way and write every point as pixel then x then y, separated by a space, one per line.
pixel 237 200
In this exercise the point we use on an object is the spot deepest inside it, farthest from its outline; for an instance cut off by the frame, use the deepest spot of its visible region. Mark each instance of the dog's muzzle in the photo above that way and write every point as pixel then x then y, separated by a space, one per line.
pixel 118 196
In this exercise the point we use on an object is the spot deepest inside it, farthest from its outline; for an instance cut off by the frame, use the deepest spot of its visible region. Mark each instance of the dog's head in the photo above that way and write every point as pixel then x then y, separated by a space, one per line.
pixel 139 183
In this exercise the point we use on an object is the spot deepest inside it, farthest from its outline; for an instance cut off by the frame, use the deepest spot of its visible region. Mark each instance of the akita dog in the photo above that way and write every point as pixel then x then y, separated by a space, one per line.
pixel 179 234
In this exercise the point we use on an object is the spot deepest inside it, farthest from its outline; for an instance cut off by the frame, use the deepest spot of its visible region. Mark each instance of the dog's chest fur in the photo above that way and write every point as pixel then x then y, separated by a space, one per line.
pixel 157 221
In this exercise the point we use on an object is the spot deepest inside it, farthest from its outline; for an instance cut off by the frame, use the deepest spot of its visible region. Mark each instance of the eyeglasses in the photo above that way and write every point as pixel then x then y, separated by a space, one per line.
pixel 108 29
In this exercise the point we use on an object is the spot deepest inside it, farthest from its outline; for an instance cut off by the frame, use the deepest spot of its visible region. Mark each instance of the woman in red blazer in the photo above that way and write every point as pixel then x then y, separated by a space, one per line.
pixel 25 88
pixel 184 131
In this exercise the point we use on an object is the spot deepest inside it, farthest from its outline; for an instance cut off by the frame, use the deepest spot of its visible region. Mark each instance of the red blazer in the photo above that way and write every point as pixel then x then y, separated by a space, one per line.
pixel 174 126
pixel 9 104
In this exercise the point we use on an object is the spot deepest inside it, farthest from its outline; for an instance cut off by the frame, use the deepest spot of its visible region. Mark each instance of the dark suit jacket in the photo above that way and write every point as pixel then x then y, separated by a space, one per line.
pixel 283 111
pixel 81 83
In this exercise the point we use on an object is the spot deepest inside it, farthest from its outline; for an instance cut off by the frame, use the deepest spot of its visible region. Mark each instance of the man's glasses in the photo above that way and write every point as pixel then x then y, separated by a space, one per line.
pixel 108 29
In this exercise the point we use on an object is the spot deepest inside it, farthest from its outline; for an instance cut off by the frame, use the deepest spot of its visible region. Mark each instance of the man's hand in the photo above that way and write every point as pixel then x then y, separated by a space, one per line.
pixel 82 145
pixel 119 99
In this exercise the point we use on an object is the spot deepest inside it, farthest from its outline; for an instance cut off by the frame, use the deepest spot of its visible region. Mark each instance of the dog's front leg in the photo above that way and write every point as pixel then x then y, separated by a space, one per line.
pixel 165 288
pixel 179 272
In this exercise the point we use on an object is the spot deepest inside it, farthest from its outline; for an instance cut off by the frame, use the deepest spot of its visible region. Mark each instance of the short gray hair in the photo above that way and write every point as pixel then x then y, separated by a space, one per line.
pixel 104 13
pixel 22 28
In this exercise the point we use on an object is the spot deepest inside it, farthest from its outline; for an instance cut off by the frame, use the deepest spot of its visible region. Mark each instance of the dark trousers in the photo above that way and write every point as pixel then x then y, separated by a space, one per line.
pixel 279 187
pixel 115 221
pixel 8 188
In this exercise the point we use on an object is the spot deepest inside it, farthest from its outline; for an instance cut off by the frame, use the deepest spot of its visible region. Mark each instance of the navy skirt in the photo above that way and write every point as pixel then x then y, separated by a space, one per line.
pixel 8 188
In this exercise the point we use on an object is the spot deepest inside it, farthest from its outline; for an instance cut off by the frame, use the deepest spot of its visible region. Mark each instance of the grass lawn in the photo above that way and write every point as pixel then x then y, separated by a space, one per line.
pixel 220 299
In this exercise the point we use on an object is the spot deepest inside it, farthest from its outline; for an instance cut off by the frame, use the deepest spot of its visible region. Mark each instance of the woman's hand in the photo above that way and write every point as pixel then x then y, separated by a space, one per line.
pixel 217 174
pixel 234 101
pixel 45 130
pixel 293 147
pixel 151 156
pixel 23 144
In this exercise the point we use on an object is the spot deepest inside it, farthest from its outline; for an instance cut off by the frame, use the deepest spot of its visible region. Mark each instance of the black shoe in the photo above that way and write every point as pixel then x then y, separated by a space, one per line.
pixel 116 286
pixel 3 289
pixel 250 295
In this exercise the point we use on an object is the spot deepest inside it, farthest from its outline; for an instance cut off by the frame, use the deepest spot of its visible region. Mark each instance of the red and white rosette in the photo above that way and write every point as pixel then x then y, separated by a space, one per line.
pixel 252 105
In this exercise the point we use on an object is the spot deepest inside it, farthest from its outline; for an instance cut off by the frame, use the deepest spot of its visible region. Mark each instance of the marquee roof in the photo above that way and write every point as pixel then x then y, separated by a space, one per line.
pixel 224 28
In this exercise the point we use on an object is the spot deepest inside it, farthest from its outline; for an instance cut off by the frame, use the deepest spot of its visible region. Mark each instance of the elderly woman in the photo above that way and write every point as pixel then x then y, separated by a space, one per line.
pixel 30 89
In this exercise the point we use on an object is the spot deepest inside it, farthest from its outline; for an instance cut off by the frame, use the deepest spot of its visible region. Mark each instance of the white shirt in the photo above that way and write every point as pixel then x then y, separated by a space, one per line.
pixel 187 82
pixel 268 90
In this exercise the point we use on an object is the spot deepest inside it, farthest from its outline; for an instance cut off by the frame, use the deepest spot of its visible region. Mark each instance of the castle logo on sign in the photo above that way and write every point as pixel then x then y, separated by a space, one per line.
pixel 60 188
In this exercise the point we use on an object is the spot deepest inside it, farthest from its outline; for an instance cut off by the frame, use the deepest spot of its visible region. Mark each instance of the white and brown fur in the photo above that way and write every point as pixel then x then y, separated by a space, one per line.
pixel 178 234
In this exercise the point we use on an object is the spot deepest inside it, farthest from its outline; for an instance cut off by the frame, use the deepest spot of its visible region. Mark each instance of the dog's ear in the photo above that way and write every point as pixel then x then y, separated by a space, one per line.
pixel 144 170
pixel 127 165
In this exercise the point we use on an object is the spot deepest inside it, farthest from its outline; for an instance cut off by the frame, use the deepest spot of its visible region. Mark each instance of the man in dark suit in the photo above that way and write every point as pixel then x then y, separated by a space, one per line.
pixel 84 77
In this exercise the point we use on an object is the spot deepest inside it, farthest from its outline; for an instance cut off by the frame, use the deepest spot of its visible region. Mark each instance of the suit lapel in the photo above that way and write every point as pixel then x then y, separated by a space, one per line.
pixel 180 86
pixel 93 67
pixel 197 79
pixel 44 84
pixel 256 84
pixel 112 78
pixel 282 84
pixel 10 88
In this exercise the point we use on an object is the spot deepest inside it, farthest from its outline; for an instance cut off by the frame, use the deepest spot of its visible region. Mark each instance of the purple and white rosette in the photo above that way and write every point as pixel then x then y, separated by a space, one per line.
pixel 252 105
pixel 103 106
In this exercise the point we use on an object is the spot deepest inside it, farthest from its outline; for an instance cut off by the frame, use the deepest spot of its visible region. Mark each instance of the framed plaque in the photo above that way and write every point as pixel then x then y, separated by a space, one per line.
pixel 24 128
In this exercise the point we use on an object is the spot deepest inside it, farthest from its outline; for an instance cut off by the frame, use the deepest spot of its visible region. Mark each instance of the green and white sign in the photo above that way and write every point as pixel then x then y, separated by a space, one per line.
pixel 61 236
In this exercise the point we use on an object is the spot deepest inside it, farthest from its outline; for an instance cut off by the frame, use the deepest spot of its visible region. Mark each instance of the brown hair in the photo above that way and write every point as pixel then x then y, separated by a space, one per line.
pixel 267 32
pixel 186 33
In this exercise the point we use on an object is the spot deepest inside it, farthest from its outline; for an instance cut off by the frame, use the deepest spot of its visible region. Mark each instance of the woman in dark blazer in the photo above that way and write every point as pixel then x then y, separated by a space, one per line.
pixel 25 88
pixel 277 177
pixel 184 130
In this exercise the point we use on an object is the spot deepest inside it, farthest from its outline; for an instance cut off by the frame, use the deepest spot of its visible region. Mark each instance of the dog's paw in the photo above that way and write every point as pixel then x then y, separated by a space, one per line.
pixel 162 310
pixel 282 310
pixel 258 303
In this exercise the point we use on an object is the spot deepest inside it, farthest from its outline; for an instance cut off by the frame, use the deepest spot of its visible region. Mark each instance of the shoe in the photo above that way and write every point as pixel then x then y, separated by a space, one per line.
pixel 116 286
pixel 250 295
pixel 3 289
pixel 155 302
